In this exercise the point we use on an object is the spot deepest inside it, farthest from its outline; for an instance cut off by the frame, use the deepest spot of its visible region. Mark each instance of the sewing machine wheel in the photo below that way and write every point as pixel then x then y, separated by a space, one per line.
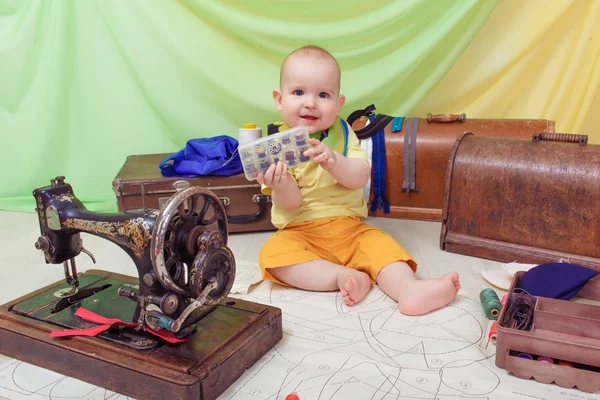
pixel 214 261
pixel 174 244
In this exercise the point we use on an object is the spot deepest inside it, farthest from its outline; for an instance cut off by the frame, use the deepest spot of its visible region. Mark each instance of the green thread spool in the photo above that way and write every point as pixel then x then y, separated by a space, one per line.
pixel 491 303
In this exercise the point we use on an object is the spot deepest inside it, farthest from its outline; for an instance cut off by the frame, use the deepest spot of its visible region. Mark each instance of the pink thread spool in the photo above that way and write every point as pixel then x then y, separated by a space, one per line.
pixel 546 360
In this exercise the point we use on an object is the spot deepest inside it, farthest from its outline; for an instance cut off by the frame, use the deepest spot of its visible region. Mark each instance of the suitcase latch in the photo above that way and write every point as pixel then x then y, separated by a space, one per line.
pixel 180 185
pixel 213 375
pixel 257 198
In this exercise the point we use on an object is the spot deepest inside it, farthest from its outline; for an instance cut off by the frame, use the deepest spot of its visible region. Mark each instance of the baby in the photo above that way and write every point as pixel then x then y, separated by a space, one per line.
pixel 322 243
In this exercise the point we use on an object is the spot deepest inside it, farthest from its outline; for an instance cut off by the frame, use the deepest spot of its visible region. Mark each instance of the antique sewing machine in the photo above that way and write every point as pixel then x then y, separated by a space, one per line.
pixel 185 274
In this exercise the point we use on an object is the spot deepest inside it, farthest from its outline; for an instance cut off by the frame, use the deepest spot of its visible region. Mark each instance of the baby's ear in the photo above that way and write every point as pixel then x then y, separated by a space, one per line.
pixel 277 98
pixel 341 101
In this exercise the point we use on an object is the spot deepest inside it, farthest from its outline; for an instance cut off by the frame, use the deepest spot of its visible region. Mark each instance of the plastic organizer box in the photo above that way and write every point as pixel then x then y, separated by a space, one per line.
pixel 560 341
pixel 287 146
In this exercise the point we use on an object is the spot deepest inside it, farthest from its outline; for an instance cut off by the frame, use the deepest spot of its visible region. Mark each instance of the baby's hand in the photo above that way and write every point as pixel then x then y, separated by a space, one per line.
pixel 276 176
pixel 322 154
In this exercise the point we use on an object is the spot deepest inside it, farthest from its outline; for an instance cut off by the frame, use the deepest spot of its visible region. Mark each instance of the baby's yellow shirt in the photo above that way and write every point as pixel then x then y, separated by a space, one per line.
pixel 322 195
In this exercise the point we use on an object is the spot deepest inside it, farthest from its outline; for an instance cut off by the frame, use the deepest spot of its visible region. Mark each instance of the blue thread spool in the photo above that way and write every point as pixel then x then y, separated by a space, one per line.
pixel 259 148
pixel 264 166
pixel 525 356
pixel 290 157
pixel 303 158
pixel 300 139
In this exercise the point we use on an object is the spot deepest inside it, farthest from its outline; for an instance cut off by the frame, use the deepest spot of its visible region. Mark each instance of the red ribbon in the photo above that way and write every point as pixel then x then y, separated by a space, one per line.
pixel 107 323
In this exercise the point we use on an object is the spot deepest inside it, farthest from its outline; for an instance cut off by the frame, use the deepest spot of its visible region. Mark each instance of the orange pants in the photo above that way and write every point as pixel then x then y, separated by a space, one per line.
pixel 345 241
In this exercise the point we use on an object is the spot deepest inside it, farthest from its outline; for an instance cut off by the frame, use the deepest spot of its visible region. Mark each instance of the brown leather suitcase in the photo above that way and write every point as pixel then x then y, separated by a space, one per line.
pixel 530 201
pixel 425 161
pixel 140 184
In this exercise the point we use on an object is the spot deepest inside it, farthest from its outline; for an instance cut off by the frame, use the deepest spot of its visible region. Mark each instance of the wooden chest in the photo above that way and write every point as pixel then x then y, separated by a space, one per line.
pixel 529 201
pixel 140 184
pixel 422 162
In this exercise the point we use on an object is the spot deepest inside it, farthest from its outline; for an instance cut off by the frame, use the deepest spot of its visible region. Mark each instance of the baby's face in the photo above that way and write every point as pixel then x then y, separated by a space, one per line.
pixel 309 94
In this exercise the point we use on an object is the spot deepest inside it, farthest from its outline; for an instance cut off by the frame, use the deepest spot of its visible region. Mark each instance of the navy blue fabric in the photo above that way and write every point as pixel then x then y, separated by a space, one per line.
pixel 204 156
pixel 378 172
pixel 556 280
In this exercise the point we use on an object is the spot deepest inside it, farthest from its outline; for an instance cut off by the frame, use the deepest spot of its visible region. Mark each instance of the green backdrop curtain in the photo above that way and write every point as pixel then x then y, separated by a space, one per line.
pixel 84 84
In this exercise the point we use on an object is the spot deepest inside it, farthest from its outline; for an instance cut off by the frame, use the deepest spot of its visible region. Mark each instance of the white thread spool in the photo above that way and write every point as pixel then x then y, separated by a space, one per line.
pixel 249 133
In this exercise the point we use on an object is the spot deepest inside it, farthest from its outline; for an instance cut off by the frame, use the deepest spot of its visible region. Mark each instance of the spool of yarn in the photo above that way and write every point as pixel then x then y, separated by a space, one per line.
pixel 491 303
pixel 564 363
pixel 526 356
pixel 519 310
pixel 546 360
pixel 492 332
pixel 248 133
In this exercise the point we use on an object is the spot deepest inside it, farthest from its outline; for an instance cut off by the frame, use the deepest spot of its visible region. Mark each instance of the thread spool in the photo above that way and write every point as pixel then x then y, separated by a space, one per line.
pixel 248 133
pixel 546 360
pixel 526 356
pixel 492 333
pixel 564 363
pixel 491 303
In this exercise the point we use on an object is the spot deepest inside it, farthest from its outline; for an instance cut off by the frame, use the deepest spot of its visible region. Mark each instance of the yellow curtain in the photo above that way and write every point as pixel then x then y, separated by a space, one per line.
pixel 531 59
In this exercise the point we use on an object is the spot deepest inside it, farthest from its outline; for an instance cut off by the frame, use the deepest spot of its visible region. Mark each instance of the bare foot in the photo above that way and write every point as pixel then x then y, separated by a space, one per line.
pixel 453 276
pixel 354 286
pixel 419 297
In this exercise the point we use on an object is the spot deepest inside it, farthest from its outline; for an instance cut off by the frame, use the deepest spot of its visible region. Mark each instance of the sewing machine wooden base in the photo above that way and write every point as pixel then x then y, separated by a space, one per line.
pixel 228 340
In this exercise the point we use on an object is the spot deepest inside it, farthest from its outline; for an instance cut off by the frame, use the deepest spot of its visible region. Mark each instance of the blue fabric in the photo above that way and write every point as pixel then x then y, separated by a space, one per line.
pixel 556 280
pixel 325 134
pixel 345 129
pixel 397 124
pixel 378 173
pixel 204 156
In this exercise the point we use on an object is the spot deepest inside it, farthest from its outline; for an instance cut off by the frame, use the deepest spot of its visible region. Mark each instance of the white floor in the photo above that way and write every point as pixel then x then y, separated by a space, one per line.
pixel 23 270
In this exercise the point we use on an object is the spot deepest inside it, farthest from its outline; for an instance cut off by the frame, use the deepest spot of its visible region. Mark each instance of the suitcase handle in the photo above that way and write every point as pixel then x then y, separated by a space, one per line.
pixel 261 200
pixel 560 137
pixel 444 118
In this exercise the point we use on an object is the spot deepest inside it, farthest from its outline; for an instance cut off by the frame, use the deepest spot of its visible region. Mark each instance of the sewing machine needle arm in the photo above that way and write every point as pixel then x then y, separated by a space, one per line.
pixel 71 278
pixel 86 251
